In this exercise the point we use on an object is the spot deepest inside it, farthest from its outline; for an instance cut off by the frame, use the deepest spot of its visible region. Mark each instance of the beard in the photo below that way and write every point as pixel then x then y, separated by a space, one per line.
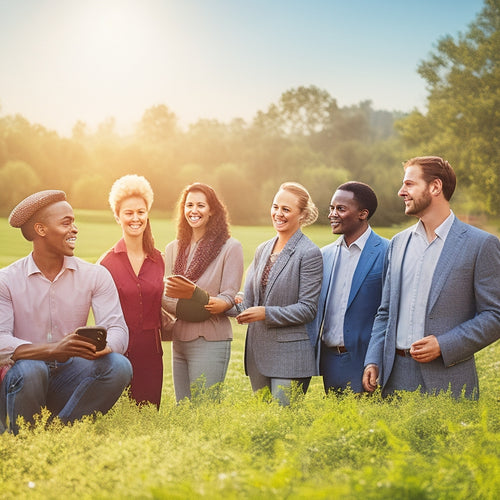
pixel 418 205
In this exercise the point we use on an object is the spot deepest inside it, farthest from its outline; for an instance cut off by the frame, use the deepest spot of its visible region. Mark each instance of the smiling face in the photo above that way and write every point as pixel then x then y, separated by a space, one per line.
pixel 285 212
pixel 415 191
pixel 197 212
pixel 56 229
pixel 133 216
pixel 346 217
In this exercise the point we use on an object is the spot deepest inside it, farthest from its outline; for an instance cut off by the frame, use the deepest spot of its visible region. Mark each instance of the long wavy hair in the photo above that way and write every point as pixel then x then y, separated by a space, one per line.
pixel 216 233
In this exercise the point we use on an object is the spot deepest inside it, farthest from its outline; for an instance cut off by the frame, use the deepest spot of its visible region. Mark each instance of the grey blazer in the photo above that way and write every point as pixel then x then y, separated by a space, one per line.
pixel 280 343
pixel 463 308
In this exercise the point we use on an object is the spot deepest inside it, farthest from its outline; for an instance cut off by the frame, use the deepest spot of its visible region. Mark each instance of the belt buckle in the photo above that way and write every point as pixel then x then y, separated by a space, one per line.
pixel 404 352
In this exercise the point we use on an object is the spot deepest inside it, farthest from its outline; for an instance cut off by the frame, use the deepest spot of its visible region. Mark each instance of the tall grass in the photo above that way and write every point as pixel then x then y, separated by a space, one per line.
pixel 230 443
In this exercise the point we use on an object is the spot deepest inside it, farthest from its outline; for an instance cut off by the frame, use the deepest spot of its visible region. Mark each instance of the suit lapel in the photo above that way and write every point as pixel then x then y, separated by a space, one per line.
pixel 260 264
pixel 396 268
pixel 365 263
pixel 282 260
pixel 447 260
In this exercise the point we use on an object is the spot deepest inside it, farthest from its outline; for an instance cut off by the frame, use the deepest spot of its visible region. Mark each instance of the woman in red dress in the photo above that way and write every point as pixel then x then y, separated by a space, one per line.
pixel 137 268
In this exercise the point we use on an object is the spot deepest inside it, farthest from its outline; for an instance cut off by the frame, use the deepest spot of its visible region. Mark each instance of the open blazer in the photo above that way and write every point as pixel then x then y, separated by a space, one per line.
pixel 281 345
pixel 463 308
pixel 364 297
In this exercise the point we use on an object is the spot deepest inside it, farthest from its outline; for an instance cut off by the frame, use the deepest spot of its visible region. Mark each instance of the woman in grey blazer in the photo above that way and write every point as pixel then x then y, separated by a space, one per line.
pixel 281 295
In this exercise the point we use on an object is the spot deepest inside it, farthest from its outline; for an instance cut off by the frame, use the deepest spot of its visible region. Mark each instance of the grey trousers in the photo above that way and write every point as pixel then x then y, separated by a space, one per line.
pixel 196 358
pixel 405 376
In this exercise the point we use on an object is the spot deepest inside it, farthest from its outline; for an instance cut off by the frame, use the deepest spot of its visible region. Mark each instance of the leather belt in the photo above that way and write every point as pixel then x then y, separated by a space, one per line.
pixel 403 352
pixel 339 348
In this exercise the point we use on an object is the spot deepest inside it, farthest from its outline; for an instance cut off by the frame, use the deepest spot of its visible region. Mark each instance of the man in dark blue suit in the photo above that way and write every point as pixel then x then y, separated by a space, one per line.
pixel 352 287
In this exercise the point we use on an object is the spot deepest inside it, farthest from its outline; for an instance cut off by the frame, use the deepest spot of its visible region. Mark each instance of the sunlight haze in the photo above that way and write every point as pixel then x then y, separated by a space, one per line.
pixel 67 60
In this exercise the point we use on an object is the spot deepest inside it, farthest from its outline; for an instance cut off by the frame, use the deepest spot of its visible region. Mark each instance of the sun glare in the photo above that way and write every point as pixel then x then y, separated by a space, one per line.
pixel 107 55
pixel 115 32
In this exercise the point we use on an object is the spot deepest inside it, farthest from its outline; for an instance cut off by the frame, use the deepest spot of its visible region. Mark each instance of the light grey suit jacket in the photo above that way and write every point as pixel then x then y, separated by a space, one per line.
pixel 280 343
pixel 463 308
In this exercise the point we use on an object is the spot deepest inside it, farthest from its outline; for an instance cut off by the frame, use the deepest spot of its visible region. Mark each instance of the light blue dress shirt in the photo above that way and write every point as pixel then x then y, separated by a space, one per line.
pixel 419 264
pixel 340 287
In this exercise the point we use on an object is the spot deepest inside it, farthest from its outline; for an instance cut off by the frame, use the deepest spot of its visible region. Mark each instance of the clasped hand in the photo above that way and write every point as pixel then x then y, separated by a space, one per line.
pixel 426 349
pixel 252 314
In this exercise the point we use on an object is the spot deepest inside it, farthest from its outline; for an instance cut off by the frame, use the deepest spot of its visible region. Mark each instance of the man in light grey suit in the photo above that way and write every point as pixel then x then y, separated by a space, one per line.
pixel 352 288
pixel 441 298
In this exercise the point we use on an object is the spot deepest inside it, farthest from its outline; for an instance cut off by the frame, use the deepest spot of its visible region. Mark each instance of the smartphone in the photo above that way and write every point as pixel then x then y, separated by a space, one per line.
pixel 97 334
pixel 239 307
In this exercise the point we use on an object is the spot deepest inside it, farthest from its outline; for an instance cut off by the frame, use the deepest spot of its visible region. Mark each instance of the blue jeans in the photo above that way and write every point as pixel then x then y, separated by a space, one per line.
pixel 69 390
pixel 196 358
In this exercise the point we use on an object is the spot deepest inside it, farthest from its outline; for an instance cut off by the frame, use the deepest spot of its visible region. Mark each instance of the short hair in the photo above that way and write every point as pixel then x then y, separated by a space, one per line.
pixel 434 167
pixel 309 210
pixel 128 186
pixel 363 194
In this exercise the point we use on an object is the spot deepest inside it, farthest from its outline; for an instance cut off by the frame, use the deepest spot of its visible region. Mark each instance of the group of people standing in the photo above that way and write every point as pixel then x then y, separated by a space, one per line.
pixel 362 312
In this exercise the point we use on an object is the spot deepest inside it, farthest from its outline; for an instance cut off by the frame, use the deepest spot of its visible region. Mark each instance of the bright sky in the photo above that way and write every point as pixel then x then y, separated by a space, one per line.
pixel 68 60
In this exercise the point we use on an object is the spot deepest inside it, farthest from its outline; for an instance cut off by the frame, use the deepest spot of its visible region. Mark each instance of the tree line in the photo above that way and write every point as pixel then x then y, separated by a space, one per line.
pixel 305 136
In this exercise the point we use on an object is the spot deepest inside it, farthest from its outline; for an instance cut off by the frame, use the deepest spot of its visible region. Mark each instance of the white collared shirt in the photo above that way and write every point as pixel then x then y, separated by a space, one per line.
pixel 419 264
pixel 340 287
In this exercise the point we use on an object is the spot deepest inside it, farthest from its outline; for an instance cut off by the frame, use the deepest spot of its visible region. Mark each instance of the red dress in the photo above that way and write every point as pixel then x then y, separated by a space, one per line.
pixel 140 298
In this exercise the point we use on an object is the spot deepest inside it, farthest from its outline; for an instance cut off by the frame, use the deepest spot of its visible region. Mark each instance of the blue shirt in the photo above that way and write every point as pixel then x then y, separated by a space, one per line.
pixel 419 264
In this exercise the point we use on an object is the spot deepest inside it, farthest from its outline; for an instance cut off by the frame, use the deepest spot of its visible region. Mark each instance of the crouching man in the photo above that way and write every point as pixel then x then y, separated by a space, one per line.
pixel 44 297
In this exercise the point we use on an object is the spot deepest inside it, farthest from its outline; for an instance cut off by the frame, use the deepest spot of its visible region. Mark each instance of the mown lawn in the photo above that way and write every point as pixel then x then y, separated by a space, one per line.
pixel 233 444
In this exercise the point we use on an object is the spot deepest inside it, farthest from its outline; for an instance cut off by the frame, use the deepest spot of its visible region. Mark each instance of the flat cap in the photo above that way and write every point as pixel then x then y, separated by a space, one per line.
pixel 23 212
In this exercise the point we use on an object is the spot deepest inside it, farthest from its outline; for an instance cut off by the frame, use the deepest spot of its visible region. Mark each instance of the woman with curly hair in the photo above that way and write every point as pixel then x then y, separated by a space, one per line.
pixel 281 295
pixel 207 264
pixel 137 268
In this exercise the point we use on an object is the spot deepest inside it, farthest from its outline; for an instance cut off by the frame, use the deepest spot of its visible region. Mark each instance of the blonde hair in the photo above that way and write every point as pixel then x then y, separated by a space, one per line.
pixel 127 186
pixel 306 205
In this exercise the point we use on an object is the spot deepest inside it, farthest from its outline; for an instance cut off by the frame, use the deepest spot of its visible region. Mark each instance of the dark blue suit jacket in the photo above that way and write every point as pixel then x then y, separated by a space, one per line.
pixel 364 298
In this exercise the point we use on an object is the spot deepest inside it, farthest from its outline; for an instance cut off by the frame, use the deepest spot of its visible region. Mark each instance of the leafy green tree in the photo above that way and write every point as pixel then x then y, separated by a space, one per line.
pixel 300 111
pixel 192 172
pixel 158 124
pixel 462 123
pixel 321 182
pixel 18 180
pixel 89 191
pixel 238 191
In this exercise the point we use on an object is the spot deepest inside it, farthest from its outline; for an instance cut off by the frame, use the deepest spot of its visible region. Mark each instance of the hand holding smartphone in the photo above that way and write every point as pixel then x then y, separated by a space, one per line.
pixel 94 334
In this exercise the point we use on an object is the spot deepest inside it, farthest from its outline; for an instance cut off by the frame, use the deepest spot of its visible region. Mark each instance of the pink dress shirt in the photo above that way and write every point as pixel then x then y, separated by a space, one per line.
pixel 36 310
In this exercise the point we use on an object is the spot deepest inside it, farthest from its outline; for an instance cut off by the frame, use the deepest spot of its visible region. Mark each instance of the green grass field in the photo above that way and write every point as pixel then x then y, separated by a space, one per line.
pixel 238 445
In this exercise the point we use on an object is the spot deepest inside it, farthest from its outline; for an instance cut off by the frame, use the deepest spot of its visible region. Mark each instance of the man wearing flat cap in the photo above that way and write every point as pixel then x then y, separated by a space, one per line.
pixel 44 297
